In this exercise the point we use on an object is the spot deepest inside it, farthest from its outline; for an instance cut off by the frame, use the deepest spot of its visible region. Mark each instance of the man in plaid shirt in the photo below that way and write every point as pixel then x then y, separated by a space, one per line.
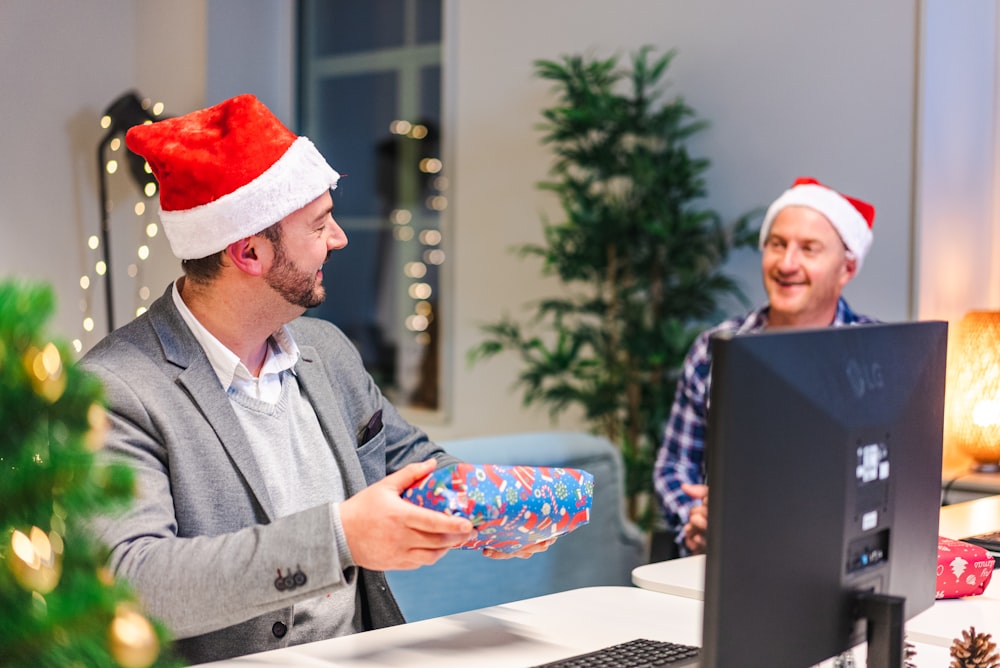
pixel 813 241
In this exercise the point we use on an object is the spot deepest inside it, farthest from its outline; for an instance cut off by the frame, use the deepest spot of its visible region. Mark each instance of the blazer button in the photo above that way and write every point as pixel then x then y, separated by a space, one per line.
pixel 279 630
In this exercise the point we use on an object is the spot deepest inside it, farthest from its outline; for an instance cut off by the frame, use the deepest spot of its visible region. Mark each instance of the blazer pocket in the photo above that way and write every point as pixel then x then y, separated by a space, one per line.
pixel 372 457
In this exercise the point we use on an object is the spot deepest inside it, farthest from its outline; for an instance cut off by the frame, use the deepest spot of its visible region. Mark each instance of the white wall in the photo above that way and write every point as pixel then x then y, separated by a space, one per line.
pixel 264 61
pixel 956 193
pixel 958 202
pixel 790 88
pixel 61 65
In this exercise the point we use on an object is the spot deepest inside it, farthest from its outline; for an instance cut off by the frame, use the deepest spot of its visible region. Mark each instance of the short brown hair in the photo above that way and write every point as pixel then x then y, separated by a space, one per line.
pixel 204 269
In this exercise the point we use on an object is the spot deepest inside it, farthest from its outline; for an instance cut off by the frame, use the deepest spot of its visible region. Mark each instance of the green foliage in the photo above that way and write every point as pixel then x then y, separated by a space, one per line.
pixel 639 259
pixel 60 613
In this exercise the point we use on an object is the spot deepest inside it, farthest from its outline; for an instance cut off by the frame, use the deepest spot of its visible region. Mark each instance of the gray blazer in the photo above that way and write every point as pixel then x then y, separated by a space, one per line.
pixel 200 542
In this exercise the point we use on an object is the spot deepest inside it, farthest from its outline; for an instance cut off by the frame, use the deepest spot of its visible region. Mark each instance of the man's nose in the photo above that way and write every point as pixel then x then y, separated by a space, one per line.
pixel 337 238
pixel 789 260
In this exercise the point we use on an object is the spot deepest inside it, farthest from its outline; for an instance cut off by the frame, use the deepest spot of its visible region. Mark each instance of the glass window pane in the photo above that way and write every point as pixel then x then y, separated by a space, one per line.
pixel 430 92
pixel 356 281
pixel 428 21
pixel 339 27
pixel 352 130
pixel 371 102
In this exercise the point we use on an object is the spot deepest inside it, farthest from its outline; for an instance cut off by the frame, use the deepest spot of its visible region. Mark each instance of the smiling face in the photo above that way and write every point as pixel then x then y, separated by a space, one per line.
pixel 805 267
pixel 306 239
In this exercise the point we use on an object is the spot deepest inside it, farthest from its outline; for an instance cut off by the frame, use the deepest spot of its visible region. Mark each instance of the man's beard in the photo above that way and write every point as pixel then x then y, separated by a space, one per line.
pixel 296 286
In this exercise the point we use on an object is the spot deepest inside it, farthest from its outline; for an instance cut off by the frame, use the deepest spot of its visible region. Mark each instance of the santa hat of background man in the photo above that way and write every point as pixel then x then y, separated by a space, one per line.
pixel 851 217
pixel 228 172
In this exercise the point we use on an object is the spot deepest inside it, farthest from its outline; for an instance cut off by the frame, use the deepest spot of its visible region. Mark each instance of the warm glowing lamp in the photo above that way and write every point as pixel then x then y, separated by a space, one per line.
pixel 972 408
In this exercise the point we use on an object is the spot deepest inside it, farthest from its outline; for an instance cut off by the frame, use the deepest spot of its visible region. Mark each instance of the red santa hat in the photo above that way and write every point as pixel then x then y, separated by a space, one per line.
pixel 852 218
pixel 228 172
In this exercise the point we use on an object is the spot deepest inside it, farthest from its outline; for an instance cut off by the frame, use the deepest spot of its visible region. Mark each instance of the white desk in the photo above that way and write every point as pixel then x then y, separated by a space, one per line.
pixel 538 630
pixel 969 518
pixel 686 577
pixel 965 484
pixel 937 626
pixel 678 577
pixel 522 633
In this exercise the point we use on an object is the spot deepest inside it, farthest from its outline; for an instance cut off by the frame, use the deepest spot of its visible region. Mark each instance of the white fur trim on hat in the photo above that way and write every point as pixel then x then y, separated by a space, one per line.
pixel 847 220
pixel 293 181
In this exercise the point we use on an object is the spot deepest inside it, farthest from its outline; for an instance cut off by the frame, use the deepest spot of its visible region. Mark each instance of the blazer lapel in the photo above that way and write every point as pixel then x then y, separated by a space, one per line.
pixel 200 380
pixel 319 390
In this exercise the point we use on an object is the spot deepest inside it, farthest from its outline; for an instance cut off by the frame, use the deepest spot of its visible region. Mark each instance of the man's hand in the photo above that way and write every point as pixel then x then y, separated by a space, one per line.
pixel 387 532
pixel 523 553
pixel 697 524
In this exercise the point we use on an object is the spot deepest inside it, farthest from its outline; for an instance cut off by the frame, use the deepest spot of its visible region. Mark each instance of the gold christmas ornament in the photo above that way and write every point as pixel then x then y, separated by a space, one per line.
pixel 97 418
pixel 105 576
pixel 974 650
pixel 131 638
pixel 45 369
pixel 36 560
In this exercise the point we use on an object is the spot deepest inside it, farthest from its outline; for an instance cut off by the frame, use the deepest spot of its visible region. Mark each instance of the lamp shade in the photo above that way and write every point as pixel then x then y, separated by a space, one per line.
pixel 972 401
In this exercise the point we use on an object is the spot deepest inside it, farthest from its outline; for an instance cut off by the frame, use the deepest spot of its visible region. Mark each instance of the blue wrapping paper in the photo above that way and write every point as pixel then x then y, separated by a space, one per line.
pixel 510 506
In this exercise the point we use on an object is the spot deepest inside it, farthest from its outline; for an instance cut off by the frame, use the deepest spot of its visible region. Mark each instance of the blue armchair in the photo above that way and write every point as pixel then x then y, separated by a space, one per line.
pixel 603 552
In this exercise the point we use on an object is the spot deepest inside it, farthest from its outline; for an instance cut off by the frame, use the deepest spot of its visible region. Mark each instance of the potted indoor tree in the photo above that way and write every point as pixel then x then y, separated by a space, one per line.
pixel 639 258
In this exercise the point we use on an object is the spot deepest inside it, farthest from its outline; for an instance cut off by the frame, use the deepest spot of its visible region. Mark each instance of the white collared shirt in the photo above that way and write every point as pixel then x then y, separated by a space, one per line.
pixel 282 354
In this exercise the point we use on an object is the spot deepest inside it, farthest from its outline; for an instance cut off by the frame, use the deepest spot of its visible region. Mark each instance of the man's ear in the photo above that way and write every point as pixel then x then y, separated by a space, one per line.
pixel 850 266
pixel 244 254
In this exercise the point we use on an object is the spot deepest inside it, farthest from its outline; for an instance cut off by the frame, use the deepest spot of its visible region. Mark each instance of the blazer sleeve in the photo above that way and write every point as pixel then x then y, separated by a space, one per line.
pixel 200 551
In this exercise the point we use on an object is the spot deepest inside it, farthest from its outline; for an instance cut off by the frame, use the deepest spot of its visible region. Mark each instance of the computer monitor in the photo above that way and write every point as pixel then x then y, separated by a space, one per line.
pixel 824 470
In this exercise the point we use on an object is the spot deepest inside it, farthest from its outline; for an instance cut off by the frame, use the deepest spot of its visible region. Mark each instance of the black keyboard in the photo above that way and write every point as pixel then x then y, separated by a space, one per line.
pixel 989 540
pixel 631 654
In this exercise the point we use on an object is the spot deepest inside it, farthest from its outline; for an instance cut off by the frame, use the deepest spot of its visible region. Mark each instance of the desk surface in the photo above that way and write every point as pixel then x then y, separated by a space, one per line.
pixel 966 485
pixel 936 626
pixel 529 632
pixel 685 577
pixel 970 518
pixel 521 634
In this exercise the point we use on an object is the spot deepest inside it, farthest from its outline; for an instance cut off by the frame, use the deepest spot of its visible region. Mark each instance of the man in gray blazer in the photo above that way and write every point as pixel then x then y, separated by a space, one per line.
pixel 268 465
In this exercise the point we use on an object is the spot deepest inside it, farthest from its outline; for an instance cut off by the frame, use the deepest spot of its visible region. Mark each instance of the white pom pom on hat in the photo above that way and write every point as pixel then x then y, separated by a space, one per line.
pixel 851 217
pixel 227 172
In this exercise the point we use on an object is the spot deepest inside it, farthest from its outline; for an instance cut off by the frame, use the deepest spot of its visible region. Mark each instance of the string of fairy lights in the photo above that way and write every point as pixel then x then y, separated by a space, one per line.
pixel 420 290
pixel 114 160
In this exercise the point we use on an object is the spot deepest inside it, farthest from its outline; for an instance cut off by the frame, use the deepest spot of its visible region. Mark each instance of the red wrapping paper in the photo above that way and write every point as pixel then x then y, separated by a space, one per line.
pixel 510 506
pixel 963 569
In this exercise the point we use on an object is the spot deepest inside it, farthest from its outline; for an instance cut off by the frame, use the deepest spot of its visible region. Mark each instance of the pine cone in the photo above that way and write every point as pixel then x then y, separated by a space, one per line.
pixel 974 650
pixel 909 651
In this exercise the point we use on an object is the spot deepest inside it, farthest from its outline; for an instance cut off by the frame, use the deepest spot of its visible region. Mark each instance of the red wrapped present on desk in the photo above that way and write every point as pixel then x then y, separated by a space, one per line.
pixel 963 569
pixel 510 506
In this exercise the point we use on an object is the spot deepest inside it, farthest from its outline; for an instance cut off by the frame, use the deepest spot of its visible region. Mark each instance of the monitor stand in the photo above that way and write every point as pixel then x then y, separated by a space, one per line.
pixel 884 617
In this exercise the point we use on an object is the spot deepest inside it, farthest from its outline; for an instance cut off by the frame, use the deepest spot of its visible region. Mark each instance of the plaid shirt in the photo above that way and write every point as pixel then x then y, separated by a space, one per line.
pixel 680 458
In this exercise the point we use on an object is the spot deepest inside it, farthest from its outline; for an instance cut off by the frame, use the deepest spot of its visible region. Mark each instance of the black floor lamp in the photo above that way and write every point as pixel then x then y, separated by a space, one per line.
pixel 125 112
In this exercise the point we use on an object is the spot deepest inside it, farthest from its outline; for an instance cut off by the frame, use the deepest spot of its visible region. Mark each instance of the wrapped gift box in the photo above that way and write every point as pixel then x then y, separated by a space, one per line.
pixel 963 569
pixel 510 506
